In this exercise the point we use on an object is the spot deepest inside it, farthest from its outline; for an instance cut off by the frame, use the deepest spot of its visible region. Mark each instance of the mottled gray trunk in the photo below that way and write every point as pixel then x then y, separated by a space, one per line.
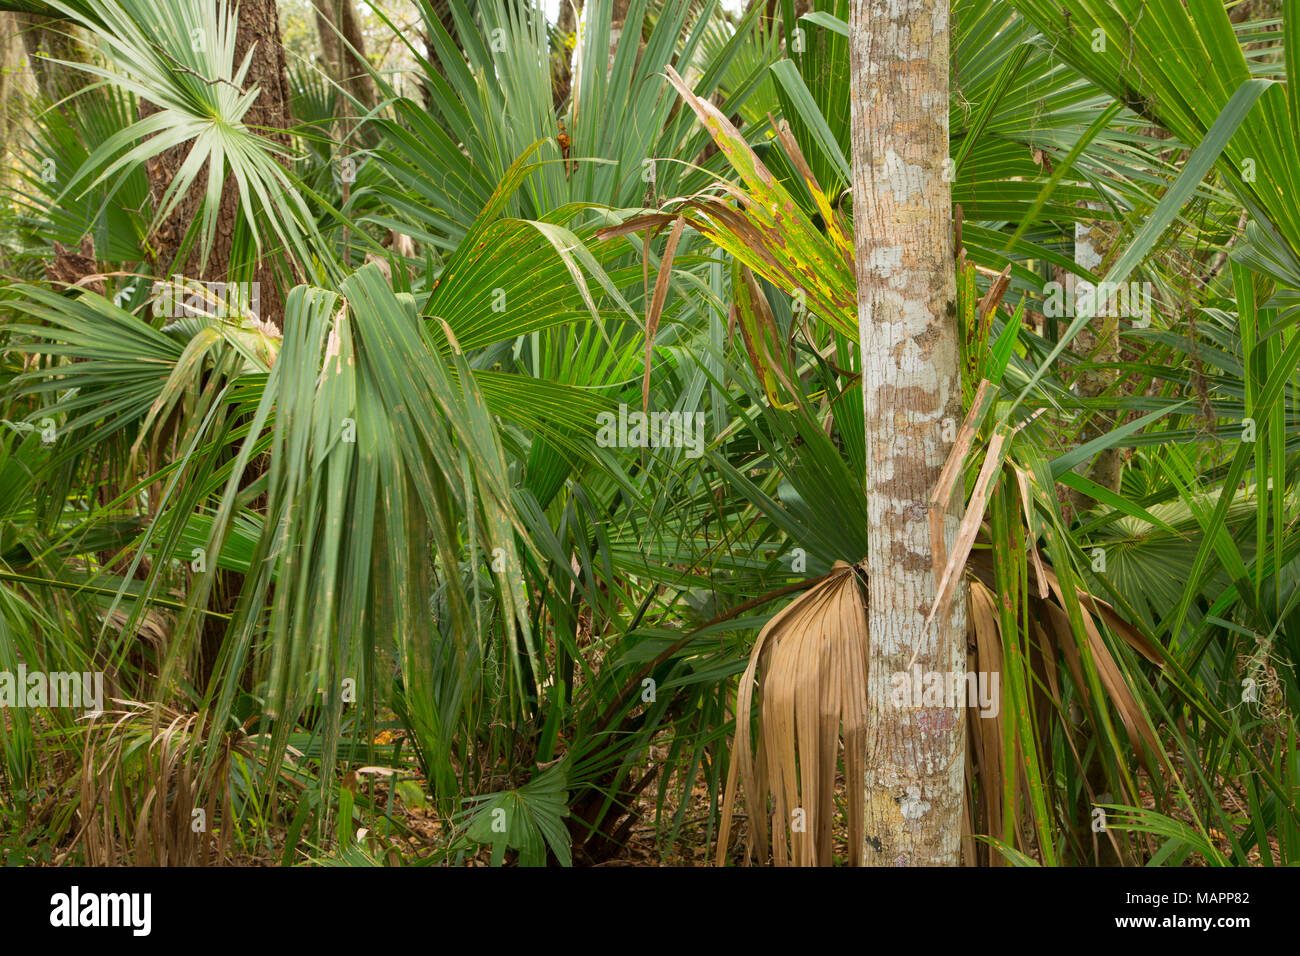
pixel 912 398
pixel 1098 341
pixel 16 89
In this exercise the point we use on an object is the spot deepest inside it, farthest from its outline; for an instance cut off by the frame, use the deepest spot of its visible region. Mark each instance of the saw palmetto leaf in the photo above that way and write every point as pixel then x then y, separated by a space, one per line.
pixel 181 58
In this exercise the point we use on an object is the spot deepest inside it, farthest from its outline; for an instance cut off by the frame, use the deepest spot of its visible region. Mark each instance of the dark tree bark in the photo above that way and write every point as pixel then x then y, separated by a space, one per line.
pixel 269 115
pixel 259 30
pixel 442 12
pixel 47 39
pixel 772 8
pixel 345 54
pixel 566 32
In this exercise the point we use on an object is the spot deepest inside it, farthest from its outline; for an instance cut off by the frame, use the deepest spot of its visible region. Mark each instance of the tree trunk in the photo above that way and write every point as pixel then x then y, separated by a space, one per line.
pixel 566 20
pixel 345 55
pixel 441 10
pixel 772 8
pixel 616 21
pixel 566 32
pixel 269 115
pixel 1098 341
pixel 47 39
pixel 15 91
pixel 259 24
pixel 911 388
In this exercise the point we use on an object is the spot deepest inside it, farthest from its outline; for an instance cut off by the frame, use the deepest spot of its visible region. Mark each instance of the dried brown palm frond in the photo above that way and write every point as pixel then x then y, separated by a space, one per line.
pixel 1054 654
pixel 811 663
pixel 144 798
pixel 148 640
pixel 809 667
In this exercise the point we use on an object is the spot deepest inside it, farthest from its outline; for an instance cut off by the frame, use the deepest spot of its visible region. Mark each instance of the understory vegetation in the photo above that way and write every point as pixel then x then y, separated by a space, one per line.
pixel 468 469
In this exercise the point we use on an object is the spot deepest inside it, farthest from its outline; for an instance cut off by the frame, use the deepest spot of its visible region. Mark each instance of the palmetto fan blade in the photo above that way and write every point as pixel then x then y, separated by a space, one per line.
pixel 1179 65
pixel 493 100
pixel 180 56
pixel 378 454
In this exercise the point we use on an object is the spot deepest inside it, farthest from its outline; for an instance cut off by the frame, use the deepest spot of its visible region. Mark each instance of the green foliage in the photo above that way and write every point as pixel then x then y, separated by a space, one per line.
pixel 378 561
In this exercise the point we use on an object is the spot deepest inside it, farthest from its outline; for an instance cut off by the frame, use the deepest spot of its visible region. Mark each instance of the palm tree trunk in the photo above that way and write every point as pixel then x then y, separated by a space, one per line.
pixel 911 387
pixel 566 29
pixel 617 19
pixel 1098 340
